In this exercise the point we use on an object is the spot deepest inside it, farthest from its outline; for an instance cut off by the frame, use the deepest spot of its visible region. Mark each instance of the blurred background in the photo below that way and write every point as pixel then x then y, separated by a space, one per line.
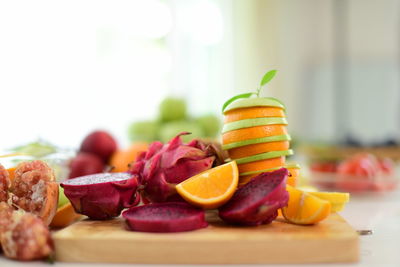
pixel 145 70
pixel 67 68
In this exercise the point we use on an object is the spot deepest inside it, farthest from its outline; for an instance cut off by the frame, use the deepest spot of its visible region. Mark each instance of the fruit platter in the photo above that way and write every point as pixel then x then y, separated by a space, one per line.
pixel 362 173
pixel 182 200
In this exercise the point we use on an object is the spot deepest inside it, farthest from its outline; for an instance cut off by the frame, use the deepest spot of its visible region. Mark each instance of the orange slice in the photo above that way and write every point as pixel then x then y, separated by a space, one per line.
pixel 65 216
pixel 294 173
pixel 253 132
pixel 212 188
pixel 304 208
pixel 122 158
pixel 245 151
pixel 253 112
pixel 262 164
pixel 11 173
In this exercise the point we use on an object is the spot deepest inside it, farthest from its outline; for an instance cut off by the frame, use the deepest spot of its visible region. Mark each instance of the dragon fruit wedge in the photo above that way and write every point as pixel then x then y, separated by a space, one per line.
pixel 102 196
pixel 258 201
pixel 164 165
pixel 165 217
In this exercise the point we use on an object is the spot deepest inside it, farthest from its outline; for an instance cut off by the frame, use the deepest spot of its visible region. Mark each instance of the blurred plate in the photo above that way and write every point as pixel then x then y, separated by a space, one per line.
pixel 332 181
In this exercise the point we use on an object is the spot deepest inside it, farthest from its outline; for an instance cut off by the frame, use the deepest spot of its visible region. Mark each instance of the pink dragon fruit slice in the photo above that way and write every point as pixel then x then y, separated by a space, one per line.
pixel 165 217
pixel 102 196
pixel 258 201
pixel 164 165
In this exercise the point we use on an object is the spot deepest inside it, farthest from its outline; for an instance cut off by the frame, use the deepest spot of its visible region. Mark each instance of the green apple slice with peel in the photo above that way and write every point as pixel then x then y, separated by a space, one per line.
pixel 255 102
pixel 247 123
pixel 292 166
pixel 289 166
pixel 274 138
pixel 262 156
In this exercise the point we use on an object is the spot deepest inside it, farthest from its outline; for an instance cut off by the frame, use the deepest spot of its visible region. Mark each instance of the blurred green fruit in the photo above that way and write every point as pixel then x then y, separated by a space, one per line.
pixel 171 129
pixel 210 124
pixel 62 199
pixel 146 131
pixel 37 149
pixel 172 109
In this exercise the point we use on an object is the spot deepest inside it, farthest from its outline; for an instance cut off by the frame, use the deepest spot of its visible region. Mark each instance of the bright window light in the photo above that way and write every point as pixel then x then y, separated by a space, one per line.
pixel 204 22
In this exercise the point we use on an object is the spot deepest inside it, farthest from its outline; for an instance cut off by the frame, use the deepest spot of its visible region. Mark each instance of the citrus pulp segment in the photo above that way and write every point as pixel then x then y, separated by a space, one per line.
pixel 212 188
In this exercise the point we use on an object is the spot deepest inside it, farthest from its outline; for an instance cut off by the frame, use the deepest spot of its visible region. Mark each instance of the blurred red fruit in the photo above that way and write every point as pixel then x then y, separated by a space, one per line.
pixel 84 164
pixel 324 166
pixel 365 165
pixel 357 173
pixel 99 143
pixel 387 166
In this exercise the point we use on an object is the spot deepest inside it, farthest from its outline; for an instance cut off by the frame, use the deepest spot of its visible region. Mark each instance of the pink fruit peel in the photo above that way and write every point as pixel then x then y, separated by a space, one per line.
pixel 102 196
pixel 164 165
pixel 165 217
pixel 258 201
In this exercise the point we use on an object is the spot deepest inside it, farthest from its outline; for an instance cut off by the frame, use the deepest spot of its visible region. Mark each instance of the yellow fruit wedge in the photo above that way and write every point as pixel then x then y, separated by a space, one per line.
pixel 304 208
pixel 337 200
pixel 212 188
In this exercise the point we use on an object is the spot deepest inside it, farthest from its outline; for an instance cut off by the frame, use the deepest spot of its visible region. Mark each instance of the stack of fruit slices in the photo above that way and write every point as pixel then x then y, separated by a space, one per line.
pixel 256 137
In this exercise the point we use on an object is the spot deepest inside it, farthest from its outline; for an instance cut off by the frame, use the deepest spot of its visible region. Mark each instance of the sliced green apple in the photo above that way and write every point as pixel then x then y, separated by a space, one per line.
pixel 292 166
pixel 274 138
pixel 62 199
pixel 247 123
pixel 255 102
pixel 262 156
pixel 259 171
pixel 287 166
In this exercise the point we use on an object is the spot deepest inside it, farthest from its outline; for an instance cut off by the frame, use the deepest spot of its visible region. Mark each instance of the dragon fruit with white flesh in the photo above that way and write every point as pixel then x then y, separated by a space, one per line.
pixel 102 196
pixel 164 165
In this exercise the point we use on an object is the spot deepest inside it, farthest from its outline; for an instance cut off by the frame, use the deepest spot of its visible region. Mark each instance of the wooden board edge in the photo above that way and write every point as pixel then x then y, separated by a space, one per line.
pixel 338 251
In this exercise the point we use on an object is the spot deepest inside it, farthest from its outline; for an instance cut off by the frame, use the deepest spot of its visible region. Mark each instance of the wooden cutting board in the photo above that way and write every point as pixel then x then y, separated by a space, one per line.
pixel 332 240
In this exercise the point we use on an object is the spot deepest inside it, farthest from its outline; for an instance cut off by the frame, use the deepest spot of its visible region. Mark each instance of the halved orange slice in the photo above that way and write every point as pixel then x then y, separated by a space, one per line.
pixel 304 208
pixel 294 172
pixel 212 188
pixel 253 112
pixel 253 132
pixel 245 151
pixel 262 164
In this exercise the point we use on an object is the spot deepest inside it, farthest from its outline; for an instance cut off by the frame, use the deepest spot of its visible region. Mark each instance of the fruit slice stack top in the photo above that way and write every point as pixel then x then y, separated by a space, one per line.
pixel 255 135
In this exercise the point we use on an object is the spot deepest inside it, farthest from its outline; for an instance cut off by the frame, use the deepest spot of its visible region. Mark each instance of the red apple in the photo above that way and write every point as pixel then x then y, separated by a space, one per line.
pixel 84 164
pixel 99 143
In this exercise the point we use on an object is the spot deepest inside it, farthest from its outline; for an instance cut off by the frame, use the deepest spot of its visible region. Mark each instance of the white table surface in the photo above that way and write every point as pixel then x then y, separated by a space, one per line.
pixel 378 213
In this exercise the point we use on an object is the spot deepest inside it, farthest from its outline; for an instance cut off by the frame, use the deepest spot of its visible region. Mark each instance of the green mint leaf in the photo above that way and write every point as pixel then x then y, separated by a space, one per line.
pixel 267 77
pixel 246 95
